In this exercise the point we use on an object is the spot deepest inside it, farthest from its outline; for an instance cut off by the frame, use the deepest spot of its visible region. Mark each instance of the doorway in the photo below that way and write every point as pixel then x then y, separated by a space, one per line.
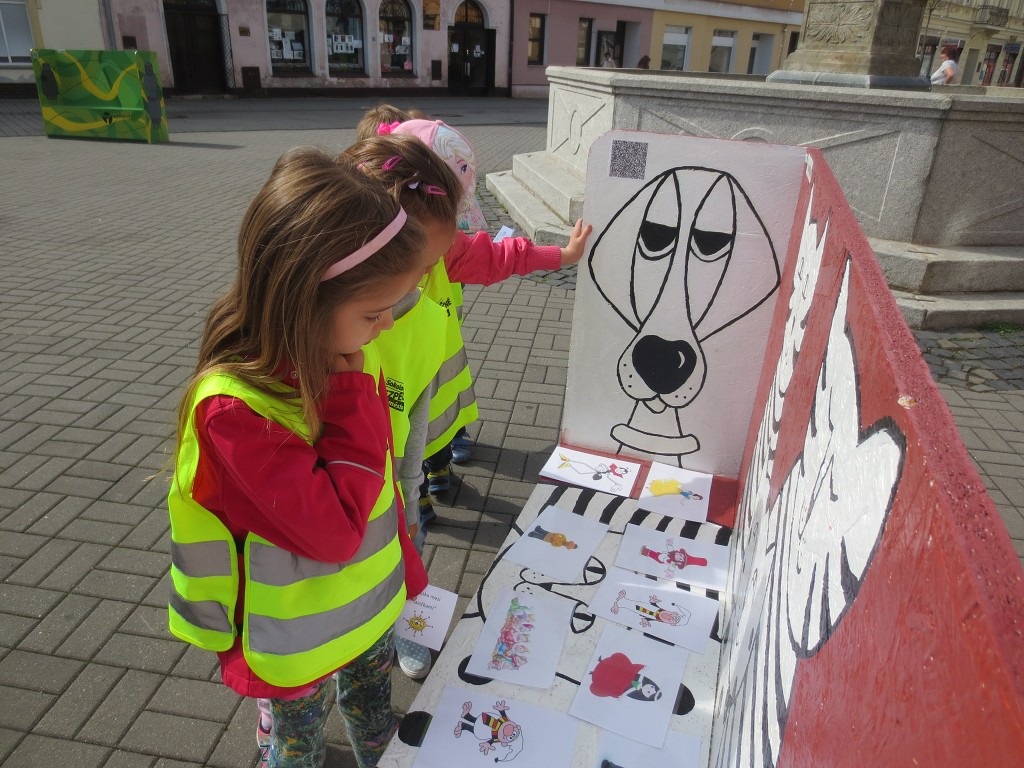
pixel 196 46
pixel 470 53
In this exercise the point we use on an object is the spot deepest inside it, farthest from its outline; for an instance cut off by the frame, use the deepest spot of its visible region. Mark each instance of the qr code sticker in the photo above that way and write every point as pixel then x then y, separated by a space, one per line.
pixel 629 160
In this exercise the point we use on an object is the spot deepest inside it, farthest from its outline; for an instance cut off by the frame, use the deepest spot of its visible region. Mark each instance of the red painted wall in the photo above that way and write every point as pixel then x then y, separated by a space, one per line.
pixel 925 664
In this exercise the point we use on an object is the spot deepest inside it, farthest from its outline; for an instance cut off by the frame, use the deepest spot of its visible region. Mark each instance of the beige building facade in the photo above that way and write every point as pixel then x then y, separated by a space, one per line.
pixel 727 38
pixel 989 36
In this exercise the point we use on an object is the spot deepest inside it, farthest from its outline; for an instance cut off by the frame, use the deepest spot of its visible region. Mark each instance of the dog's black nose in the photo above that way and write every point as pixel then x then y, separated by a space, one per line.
pixel 663 365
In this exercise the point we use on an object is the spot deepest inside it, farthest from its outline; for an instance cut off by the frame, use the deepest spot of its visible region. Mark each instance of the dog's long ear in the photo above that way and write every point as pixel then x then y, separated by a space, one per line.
pixel 630 260
pixel 744 253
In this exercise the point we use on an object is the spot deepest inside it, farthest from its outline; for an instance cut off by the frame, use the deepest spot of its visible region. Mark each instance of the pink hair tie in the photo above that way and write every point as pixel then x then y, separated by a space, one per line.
pixel 361 254
pixel 390 163
pixel 384 128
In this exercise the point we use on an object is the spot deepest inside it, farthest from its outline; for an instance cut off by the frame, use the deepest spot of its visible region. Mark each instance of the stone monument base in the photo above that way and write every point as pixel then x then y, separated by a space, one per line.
pixel 924 169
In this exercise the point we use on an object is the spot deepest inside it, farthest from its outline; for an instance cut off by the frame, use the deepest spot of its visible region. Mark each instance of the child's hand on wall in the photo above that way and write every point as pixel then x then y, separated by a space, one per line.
pixel 573 252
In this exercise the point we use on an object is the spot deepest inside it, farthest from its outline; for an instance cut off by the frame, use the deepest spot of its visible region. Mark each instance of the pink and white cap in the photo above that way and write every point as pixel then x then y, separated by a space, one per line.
pixel 457 152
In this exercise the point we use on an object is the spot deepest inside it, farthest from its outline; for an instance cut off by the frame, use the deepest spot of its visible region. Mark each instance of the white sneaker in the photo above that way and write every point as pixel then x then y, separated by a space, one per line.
pixel 413 658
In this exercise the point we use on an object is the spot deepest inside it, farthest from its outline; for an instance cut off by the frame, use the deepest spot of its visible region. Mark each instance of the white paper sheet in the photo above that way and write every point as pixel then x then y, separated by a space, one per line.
pixel 558 544
pixel 591 471
pixel 681 750
pixel 631 685
pixel 522 640
pixel 676 492
pixel 505 231
pixel 521 734
pixel 698 563
pixel 656 607
pixel 426 619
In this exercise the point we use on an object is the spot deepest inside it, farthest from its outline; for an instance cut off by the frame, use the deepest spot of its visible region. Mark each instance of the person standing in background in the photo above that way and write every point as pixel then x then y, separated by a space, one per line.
pixel 608 60
pixel 948 69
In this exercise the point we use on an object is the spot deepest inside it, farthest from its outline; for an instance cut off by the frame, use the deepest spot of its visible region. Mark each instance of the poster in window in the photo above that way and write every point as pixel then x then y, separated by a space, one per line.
pixel 275 53
pixel 432 15
pixel 388 37
pixel 402 49
pixel 275 33
pixel 406 41
pixel 357 44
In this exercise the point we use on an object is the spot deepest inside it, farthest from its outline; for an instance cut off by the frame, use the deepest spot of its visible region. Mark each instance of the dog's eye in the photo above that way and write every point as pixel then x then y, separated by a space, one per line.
pixel 710 245
pixel 656 240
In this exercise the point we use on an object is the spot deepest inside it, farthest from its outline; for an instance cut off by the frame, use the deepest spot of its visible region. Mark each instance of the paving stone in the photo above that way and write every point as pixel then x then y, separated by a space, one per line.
pixel 93 634
pixel 48 674
pixel 122 758
pixel 30 602
pixel 195 698
pixel 37 751
pixel 109 721
pixel 161 734
pixel 148 654
pixel 59 623
pixel 22 708
pixel 77 567
pixel 74 706
pixel 42 562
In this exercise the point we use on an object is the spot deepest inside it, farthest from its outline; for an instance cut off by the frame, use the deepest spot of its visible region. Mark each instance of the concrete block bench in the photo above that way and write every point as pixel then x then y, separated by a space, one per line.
pixel 874 613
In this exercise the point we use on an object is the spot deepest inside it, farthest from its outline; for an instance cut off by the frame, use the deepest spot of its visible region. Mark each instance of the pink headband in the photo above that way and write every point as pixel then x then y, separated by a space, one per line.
pixel 368 249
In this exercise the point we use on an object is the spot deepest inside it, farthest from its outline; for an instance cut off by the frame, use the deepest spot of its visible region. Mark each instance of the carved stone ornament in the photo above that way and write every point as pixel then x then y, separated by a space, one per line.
pixel 839 23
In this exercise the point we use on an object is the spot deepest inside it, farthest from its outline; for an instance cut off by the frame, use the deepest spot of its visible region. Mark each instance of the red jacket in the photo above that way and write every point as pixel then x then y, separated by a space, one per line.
pixel 476 260
pixel 251 469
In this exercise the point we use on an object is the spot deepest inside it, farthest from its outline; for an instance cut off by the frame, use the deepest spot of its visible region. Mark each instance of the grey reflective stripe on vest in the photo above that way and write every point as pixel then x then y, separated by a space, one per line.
pixel 452 367
pixel 204 558
pixel 444 420
pixel 287 636
pixel 280 568
pixel 207 614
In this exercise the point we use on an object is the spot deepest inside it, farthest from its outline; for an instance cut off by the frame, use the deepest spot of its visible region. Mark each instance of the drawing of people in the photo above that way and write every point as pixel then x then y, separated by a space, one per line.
pixel 617 675
pixel 675 558
pixel 492 728
pixel 553 538
pixel 672 488
pixel 653 613
pixel 609 471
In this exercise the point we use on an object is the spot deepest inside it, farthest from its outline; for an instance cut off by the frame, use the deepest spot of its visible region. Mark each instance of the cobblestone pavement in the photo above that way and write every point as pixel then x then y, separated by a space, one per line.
pixel 110 256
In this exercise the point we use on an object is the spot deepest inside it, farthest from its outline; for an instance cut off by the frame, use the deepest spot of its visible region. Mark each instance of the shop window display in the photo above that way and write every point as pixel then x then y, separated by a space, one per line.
pixel 395 38
pixel 344 37
pixel 288 32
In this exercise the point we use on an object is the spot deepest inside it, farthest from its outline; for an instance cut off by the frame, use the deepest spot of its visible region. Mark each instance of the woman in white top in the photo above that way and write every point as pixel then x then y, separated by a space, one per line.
pixel 947 71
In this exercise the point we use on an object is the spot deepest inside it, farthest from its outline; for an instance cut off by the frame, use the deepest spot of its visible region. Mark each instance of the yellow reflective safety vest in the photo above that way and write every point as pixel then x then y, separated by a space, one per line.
pixel 302 618
pixel 453 404
pixel 411 352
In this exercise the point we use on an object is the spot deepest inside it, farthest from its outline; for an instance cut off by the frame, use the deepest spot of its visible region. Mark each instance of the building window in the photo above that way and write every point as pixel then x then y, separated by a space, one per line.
pixel 723 42
pixel 584 35
pixel 432 15
pixel 535 40
pixel 675 48
pixel 15 32
pixel 469 12
pixel 344 37
pixel 288 31
pixel 395 38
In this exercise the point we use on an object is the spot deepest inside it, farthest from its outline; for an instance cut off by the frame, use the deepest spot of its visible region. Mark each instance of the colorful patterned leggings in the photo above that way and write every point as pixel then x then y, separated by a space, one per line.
pixel 364 700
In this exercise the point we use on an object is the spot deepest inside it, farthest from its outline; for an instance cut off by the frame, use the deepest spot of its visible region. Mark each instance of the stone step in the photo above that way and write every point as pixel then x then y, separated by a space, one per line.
pixel 933 270
pixel 936 312
pixel 538 222
pixel 555 182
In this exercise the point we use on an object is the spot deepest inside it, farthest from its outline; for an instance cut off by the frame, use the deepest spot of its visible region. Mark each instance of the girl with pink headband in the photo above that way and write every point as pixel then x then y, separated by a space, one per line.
pixel 290 555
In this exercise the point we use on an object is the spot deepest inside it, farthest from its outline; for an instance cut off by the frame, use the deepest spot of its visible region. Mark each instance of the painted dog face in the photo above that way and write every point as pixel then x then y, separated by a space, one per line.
pixel 686 257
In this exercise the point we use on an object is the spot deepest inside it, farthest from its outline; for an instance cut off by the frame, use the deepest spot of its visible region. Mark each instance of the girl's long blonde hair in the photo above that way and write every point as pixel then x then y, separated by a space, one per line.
pixel 313 211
